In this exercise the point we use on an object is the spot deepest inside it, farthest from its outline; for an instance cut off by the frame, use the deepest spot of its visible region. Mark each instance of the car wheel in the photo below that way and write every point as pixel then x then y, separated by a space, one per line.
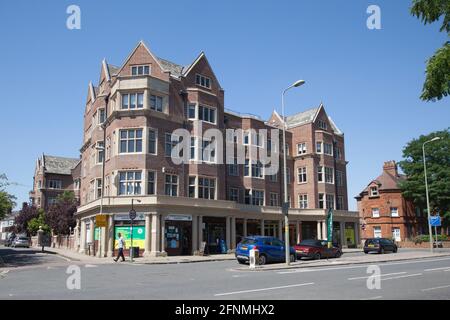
pixel 317 256
pixel 395 250
pixel 262 260
pixel 292 258
pixel 338 254
pixel 366 252
pixel 241 261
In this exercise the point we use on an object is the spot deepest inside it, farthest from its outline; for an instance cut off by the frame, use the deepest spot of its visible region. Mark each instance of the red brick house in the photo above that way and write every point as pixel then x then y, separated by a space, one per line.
pixel 384 212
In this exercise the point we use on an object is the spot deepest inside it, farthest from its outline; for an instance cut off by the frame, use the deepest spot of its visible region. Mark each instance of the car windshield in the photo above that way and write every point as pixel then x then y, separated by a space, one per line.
pixel 372 241
pixel 22 238
pixel 309 243
pixel 248 241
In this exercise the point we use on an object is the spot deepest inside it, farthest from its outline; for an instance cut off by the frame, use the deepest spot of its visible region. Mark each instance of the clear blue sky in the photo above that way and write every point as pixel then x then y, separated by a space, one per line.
pixel 368 80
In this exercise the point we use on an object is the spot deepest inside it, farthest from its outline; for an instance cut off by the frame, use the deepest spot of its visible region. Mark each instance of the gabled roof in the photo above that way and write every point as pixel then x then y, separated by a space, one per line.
pixel 301 117
pixel 175 69
pixel 385 181
pixel 58 165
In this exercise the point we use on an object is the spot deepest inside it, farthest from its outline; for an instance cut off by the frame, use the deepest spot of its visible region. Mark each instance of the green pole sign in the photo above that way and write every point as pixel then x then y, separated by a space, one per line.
pixel 330 227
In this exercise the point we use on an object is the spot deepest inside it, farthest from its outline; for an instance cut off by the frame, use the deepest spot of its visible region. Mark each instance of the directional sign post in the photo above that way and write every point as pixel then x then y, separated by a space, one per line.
pixel 435 221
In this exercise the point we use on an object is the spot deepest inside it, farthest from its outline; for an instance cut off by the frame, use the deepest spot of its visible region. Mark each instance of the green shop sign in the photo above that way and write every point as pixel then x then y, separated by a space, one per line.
pixel 138 236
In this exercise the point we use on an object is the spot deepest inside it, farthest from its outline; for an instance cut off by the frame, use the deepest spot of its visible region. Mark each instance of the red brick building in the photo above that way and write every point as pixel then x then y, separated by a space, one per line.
pixel 181 206
pixel 385 213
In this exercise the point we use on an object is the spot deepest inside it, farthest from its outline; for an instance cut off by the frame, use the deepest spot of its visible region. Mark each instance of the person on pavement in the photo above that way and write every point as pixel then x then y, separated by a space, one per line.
pixel 121 246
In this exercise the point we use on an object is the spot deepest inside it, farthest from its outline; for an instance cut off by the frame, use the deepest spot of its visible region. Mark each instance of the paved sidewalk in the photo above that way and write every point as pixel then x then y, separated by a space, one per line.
pixel 351 259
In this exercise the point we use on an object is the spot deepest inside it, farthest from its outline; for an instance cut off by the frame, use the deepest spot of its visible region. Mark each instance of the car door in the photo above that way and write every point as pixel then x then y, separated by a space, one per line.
pixel 279 250
pixel 325 251
pixel 268 249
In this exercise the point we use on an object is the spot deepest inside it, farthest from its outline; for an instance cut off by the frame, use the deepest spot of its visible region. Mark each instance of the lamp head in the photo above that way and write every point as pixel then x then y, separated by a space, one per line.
pixel 298 83
pixel 436 138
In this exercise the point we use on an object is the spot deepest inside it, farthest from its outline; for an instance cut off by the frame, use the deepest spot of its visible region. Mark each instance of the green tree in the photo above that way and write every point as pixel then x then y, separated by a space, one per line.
pixel 35 223
pixel 60 216
pixel 438 173
pixel 7 201
pixel 437 82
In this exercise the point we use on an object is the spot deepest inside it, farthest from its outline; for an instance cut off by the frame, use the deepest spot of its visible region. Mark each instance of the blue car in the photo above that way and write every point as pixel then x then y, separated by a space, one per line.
pixel 271 249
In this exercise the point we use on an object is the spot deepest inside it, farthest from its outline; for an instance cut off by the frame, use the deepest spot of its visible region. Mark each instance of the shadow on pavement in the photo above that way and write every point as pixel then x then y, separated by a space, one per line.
pixel 12 257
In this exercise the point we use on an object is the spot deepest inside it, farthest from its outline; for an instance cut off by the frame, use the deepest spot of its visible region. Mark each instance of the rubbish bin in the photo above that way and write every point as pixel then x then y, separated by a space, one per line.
pixel 134 252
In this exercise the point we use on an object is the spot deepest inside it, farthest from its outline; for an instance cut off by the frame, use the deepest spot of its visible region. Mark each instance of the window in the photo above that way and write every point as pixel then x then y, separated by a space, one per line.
pixel 140 70
pixel 130 182
pixel 274 199
pixel 301 148
pixel 98 188
pixel 101 116
pixel 233 194
pixel 257 169
pixel 373 191
pixel 108 148
pixel 169 144
pixel 318 147
pixel 394 212
pixel 329 175
pixel 130 140
pixel 269 146
pixel 321 201
pixel 340 203
pixel 171 185
pixel 151 182
pixel 246 137
pixel 191 111
pixel 192 149
pixel 273 177
pixel 301 174
pixel 303 201
pixel 375 212
pixel 246 168
pixel 396 234
pixel 206 188
pixel 247 196
pixel 337 153
pixel 257 139
pixel 330 201
pixel 100 152
pixel 76 184
pixel 132 100
pixel 208 150
pixel 322 125
pixel 54 184
pixel 287 149
pixel 206 114
pixel 51 201
pixel 233 168
pixel 377 232
pixel 339 178
pixel 203 81
pixel 152 141
pixel 320 174
pixel 257 198
pixel 328 149
pixel 39 184
pixel 156 103
pixel 191 187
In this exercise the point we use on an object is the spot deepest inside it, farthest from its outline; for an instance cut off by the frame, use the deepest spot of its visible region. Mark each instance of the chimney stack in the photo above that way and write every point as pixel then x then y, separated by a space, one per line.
pixel 391 168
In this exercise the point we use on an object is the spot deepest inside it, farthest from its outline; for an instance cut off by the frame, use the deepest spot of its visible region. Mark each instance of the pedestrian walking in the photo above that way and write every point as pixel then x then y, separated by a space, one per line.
pixel 121 246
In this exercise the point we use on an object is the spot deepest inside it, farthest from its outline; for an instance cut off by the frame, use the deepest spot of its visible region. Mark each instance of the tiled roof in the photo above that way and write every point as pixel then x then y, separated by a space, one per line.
pixel 301 117
pixel 59 165
pixel 386 181
pixel 113 69
pixel 175 69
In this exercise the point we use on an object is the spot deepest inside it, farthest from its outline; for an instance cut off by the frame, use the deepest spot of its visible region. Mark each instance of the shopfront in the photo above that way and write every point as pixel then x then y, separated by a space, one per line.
pixel 309 230
pixel 214 231
pixel 122 225
pixel 350 234
pixel 178 234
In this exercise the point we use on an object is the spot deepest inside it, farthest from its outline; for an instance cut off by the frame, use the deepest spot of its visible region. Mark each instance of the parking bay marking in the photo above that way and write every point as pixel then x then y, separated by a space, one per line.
pixel 438 269
pixel 405 276
pixel 381 275
pixel 436 288
pixel 264 289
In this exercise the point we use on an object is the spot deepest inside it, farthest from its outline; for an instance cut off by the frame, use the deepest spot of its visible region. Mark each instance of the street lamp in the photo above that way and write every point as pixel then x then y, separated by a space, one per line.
pixel 101 194
pixel 285 207
pixel 132 217
pixel 430 232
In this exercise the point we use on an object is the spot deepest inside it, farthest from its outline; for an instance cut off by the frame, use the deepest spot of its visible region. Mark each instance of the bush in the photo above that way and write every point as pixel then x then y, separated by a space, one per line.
pixel 426 238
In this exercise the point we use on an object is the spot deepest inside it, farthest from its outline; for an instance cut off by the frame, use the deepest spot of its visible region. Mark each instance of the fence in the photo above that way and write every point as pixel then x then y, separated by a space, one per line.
pixel 59 241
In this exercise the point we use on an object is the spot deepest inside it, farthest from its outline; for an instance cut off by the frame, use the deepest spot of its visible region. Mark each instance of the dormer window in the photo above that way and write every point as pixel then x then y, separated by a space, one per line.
pixel 322 125
pixel 140 70
pixel 374 192
pixel 203 81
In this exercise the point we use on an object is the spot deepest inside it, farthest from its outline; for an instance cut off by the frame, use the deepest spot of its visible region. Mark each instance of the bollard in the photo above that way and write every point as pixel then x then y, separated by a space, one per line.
pixel 254 258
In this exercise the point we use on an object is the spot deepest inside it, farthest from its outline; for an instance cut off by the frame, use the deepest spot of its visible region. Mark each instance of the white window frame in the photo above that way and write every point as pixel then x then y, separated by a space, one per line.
pixel 329 175
pixel 327 149
pixel 303 201
pixel 134 183
pixel 329 196
pixel 320 145
pixel 143 66
pixel 57 184
pixel 374 191
pixel 156 141
pixel 301 148
pixel 274 199
pixel 210 108
pixel 207 81
pixel 99 118
pixel 377 233
pixel 171 184
pixel 375 212
pixel 128 139
pixel 302 175
pixel 394 213
pixel 129 94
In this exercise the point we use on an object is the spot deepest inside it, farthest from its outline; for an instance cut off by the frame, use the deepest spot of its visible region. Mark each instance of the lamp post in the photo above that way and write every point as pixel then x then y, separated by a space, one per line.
pixel 285 207
pixel 132 217
pixel 430 232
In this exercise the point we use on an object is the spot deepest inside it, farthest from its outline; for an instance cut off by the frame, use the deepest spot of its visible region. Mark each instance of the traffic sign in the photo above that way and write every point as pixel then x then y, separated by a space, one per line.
pixel 100 220
pixel 132 214
pixel 435 221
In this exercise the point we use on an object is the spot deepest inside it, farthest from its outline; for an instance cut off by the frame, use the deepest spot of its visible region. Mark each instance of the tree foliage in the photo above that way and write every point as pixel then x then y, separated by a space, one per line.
pixel 26 214
pixel 7 201
pixel 39 221
pixel 437 155
pixel 60 216
pixel 437 82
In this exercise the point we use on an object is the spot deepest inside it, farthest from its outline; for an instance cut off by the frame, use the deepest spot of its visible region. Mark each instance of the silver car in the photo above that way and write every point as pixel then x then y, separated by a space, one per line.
pixel 23 242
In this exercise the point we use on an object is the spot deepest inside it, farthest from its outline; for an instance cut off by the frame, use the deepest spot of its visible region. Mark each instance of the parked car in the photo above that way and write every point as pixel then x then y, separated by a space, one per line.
pixel 380 245
pixel 271 249
pixel 317 249
pixel 21 241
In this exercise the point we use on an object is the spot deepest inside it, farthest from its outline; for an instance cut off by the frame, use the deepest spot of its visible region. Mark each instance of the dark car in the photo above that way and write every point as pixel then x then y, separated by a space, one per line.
pixel 380 245
pixel 317 249
pixel 270 249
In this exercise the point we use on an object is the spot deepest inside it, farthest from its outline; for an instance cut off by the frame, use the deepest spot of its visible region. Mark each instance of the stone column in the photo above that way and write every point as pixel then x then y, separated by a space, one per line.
pixel 110 234
pixel 262 227
pixel 228 232
pixel 298 228
pixel 92 233
pixel 83 237
pixel 342 232
pixel 104 241
pixel 194 234
pixel 233 233
pixel 76 236
pixel 319 229
pixel 245 228
pixel 324 230
pixel 163 239
pixel 154 239
pixel 148 231
pixel 357 239
pixel 200 231
pixel 280 230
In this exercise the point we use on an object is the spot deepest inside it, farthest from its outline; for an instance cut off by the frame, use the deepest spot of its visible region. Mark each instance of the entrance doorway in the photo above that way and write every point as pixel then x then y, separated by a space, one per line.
pixel 178 238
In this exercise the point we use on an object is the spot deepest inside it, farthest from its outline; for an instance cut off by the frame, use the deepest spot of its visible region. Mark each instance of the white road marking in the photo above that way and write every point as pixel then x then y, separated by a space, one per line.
pixel 436 288
pixel 381 275
pixel 372 298
pixel 437 269
pixel 405 276
pixel 264 289
pixel 91 266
